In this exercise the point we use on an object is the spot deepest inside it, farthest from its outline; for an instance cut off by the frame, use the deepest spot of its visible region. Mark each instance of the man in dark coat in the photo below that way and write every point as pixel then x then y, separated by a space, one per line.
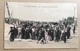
pixel 51 34
pixel 68 32
pixel 64 35
pixel 58 33
pixel 41 35
pixel 37 33
pixel 12 34
pixel 23 32
pixel 16 32
pixel 26 35
pixel 74 29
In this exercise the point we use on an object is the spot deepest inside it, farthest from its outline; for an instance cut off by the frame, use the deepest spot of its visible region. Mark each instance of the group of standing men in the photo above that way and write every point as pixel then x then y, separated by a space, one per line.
pixel 42 33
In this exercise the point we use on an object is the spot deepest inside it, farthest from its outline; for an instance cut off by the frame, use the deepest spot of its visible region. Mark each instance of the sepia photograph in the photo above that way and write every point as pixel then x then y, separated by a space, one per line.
pixel 40 25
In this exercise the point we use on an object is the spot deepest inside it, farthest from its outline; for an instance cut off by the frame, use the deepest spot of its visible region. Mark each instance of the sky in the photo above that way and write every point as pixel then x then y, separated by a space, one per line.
pixel 41 11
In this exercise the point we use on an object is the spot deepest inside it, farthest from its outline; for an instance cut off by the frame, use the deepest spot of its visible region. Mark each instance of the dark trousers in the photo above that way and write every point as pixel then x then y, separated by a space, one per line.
pixel 68 35
pixel 57 38
pixel 64 37
pixel 73 31
pixel 22 37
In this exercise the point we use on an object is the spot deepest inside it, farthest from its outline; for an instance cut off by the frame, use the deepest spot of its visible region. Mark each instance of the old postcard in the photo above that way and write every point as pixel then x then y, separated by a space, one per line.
pixel 40 25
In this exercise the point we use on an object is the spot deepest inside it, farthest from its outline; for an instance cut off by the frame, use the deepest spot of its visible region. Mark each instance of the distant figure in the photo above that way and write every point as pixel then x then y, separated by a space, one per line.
pixel 74 29
pixel 12 34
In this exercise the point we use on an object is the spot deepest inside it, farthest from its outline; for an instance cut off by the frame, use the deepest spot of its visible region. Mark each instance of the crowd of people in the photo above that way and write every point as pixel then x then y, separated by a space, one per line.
pixel 42 32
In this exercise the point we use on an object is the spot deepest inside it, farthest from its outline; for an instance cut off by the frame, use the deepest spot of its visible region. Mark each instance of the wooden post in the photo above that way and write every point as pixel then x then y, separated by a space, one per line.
pixel 8 13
